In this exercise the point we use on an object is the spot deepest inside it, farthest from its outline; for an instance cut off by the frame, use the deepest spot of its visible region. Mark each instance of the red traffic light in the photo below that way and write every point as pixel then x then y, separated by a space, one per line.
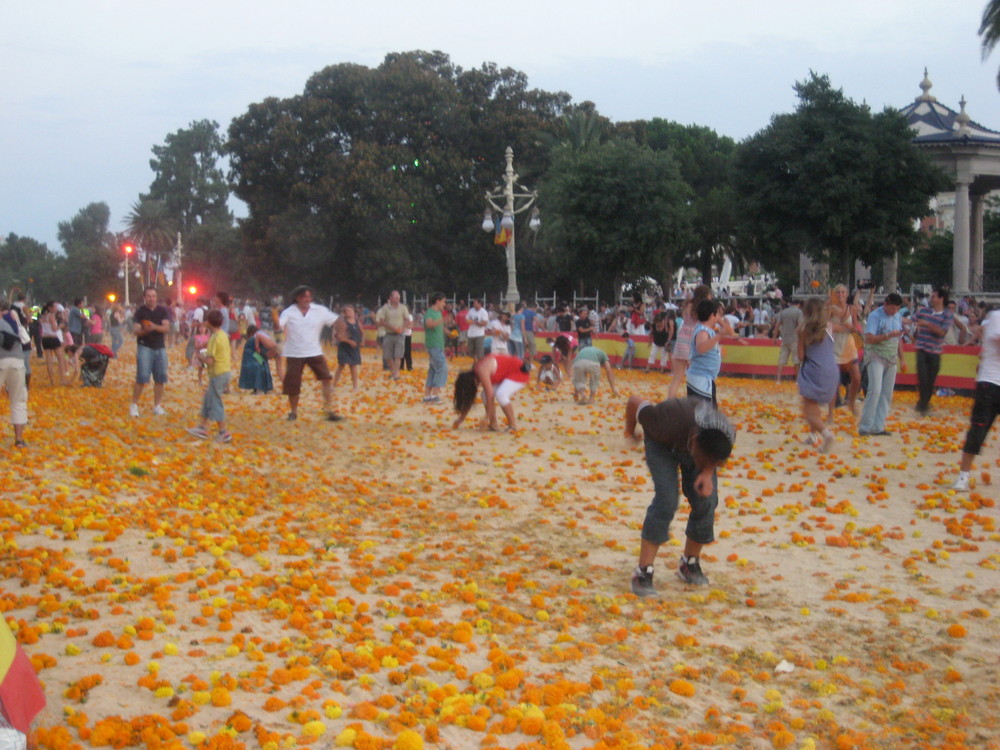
pixel 128 248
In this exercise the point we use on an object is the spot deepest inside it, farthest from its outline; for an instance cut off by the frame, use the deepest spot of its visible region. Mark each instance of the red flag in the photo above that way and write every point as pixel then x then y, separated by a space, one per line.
pixel 502 236
pixel 21 693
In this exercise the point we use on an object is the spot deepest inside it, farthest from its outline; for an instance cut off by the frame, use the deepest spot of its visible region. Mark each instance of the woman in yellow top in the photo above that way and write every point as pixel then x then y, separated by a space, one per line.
pixel 217 358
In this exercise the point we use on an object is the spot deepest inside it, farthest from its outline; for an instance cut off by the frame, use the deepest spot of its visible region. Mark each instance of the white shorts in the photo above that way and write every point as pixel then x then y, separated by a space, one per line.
pixel 503 392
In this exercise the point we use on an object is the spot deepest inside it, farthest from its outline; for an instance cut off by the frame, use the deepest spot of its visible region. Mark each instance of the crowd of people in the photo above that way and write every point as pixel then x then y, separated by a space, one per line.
pixel 841 343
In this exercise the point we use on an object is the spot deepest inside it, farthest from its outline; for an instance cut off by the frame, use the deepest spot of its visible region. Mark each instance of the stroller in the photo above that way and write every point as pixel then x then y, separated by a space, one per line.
pixel 94 360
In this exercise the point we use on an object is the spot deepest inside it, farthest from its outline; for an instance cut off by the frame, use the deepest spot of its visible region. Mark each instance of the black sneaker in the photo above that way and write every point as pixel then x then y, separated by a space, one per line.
pixel 690 572
pixel 332 416
pixel 642 582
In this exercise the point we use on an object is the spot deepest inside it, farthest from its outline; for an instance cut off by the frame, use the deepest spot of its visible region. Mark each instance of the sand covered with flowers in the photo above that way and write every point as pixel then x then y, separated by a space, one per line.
pixel 386 582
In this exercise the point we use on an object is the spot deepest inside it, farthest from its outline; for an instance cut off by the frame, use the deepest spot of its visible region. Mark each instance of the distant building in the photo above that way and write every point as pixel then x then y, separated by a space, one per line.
pixel 970 154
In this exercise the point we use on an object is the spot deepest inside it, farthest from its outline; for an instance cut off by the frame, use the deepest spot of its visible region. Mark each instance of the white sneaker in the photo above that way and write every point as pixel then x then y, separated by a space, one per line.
pixel 159 410
pixel 961 484
pixel 133 410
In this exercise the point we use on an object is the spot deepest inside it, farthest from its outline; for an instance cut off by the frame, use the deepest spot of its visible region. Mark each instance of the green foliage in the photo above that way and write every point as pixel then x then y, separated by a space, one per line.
pixel 27 264
pixel 989 30
pixel 189 181
pixel 373 178
pixel 834 181
pixel 91 255
pixel 705 160
pixel 189 194
pixel 615 211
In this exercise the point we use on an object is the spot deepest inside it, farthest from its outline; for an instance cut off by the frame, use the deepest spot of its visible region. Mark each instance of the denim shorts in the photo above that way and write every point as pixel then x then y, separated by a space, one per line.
pixel 150 362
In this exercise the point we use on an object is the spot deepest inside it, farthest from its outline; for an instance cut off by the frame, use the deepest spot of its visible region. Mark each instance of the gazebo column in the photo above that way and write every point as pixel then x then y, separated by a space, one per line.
pixel 976 243
pixel 960 252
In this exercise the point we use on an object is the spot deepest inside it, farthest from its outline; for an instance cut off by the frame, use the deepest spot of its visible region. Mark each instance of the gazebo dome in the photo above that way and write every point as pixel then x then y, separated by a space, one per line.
pixel 970 155
pixel 937 124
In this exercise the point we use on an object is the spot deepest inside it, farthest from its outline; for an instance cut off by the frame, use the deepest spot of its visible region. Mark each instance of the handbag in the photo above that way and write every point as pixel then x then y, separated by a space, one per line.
pixel 22 333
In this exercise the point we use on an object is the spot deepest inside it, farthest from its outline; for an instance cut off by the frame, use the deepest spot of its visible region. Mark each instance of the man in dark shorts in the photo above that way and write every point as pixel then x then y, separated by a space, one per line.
pixel 683 435
pixel 149 324
pixel 302 322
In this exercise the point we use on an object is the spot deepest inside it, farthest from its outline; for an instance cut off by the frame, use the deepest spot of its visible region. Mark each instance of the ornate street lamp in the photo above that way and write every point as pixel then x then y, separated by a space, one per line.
pixel 128 248
pixel 513 203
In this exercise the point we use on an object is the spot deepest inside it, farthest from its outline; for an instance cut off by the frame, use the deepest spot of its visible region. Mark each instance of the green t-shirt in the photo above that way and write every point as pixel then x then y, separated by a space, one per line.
pixel 433 337
pixel 593 354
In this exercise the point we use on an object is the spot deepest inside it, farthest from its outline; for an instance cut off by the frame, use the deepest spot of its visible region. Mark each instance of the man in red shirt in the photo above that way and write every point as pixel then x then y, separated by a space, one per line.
pixel 461 320
pixel 500 377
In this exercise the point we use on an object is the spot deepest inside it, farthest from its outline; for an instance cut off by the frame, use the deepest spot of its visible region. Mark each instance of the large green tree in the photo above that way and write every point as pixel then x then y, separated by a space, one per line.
pixel 706 162
pixel 374 177
pixel 29 265
pixel 90 265
pixel 189 194
pixel 615 211
pixel 833 180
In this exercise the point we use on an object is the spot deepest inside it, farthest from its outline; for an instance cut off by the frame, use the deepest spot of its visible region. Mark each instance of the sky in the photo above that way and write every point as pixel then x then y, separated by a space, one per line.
pixel 88 87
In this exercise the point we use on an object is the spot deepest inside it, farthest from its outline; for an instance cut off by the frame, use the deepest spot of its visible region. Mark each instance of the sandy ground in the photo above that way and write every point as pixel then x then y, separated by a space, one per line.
pixel 388 582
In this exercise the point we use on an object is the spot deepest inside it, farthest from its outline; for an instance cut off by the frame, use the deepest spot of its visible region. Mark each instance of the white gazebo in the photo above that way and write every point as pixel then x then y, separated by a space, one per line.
pixel 970 155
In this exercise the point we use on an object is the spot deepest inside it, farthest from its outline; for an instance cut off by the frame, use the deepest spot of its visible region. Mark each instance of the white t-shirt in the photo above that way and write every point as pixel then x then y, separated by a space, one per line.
pixel 302 331
pixel 989 356
pixel 250 314
pixel 477 320
pixel 501 334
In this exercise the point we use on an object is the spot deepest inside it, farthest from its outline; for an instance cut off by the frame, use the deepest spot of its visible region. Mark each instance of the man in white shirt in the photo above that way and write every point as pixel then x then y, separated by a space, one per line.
pixel 762 319
pixel 302 323
pixel 478 319
pixel 249 313
pixel 500 331
pixel 986 407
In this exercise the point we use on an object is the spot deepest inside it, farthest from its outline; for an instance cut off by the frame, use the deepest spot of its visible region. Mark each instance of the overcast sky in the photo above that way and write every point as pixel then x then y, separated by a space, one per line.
pixel 90 86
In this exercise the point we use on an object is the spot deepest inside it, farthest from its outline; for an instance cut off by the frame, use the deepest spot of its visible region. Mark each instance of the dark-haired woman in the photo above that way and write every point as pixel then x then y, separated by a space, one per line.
pixel 500 376
pixel 255 370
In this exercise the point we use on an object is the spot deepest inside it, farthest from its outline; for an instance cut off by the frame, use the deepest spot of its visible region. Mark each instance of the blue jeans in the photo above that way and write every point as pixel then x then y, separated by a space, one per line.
pixel 117 340
pixel 881 381
pixel 437 368
pixel 664 464
pixel 150 362
pixel 515 348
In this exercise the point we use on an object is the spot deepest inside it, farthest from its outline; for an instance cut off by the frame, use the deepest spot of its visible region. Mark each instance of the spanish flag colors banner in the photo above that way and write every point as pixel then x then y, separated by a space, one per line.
pixel 21 693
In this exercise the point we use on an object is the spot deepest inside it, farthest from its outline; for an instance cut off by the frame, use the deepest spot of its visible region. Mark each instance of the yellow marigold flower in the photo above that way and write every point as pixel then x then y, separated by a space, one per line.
pixel 314 729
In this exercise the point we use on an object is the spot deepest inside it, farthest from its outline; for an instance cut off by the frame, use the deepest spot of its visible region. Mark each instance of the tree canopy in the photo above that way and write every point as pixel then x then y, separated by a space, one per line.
pixel 373 178
pixel 833 180
pixel 615 211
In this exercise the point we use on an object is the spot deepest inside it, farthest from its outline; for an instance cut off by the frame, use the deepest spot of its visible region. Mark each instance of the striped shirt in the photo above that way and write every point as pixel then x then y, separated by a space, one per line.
pixel 927 340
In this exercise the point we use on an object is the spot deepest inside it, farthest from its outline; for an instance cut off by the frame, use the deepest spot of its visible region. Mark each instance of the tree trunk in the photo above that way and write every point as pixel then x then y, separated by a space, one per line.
pixel 890 272
pixel 667 282
pixel 847 269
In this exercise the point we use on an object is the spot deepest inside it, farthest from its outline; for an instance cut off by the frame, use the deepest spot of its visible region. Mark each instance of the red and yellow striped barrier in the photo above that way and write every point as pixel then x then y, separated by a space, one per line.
pixel 758 356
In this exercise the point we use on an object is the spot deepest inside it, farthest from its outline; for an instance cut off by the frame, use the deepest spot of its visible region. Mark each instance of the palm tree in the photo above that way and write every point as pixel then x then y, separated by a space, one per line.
pixel 989 29
pixel 149 227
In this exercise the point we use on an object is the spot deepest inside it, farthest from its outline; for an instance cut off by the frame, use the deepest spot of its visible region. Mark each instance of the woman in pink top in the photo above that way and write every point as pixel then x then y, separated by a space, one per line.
pixel 96 327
